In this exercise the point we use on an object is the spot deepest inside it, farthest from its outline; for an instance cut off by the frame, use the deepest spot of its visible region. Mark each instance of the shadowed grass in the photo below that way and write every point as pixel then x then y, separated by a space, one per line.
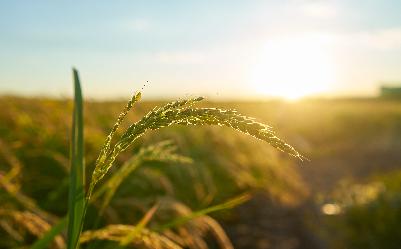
pixel 49 236
pixel 139 234
pixel 193 215
pixel 162 151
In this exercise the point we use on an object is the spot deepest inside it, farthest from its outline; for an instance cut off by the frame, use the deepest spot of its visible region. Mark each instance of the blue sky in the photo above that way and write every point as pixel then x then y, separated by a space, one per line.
pixel 221 49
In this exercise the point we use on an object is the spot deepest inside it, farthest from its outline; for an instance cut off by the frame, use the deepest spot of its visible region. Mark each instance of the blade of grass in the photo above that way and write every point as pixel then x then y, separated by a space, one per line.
pixel 49 236
pixel 226 205
pixel 138 228
pixel 163 151
pixel 76 198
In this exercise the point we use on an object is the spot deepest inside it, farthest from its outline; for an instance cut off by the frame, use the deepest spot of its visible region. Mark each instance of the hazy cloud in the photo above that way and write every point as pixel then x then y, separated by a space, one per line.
pixel 320 9
pixel 180 57
pixel 385 39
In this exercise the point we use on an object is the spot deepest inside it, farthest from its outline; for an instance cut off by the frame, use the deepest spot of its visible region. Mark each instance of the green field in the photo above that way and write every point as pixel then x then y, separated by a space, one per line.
pixel 351 143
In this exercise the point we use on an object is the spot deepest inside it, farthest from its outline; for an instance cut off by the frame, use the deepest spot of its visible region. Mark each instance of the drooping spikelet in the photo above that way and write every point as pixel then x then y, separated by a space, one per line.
pixel 163 151
pixel 12 160
pixel 9 183
pixel 144 238
pixel 180 112
pixel 103 152
pixel 33 223
pixel 191 227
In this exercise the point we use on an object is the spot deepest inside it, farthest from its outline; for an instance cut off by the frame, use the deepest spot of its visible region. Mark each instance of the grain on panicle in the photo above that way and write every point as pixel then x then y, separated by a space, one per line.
pixel 190 228
pixel 144 239
pixel 135 98
pixel 107 156
pixel 33 223
pixel 163 151
pixel 159 112
pixel 211 116
pixel 104 152
pixel 181 112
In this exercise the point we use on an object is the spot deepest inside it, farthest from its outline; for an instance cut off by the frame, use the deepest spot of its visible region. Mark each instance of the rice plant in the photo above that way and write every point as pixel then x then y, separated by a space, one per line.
pixel 183 228
pixel 175 224
pixel 162 151
pixel 33 223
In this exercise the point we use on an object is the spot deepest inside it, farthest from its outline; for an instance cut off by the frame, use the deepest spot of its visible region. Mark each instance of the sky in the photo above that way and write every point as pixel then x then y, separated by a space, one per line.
pixel 220 49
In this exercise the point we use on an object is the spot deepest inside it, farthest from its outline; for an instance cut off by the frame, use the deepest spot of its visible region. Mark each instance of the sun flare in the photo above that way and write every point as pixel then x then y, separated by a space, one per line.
pixel 294 67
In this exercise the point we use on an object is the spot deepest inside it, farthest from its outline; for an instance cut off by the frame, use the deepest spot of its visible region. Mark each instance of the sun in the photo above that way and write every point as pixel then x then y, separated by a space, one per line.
pixel 294 67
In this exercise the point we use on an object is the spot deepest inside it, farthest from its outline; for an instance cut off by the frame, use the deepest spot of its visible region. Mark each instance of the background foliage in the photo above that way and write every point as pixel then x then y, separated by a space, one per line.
pixel 348 141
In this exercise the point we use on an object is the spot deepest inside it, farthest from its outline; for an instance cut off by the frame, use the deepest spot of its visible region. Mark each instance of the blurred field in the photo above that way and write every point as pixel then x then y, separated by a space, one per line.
pixel 348 141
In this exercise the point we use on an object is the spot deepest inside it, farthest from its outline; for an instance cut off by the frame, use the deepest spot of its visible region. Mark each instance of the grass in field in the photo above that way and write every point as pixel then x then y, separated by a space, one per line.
pixel 179 112
pixel 345 138
pixel 188 227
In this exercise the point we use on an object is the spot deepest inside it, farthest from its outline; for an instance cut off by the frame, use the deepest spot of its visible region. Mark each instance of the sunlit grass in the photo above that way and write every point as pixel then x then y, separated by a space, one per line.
pixel 34 165
pixel 179 112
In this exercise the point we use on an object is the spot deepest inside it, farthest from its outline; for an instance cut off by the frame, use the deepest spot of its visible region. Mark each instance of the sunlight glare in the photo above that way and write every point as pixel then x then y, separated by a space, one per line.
pixel 294 67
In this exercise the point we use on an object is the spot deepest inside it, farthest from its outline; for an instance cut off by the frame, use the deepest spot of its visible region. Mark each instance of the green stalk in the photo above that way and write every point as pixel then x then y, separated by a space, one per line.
pixel 76 198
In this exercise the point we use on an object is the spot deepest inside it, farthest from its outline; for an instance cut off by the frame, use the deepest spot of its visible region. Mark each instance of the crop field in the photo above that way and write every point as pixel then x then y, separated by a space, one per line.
pixel 208 186
pixel 200 124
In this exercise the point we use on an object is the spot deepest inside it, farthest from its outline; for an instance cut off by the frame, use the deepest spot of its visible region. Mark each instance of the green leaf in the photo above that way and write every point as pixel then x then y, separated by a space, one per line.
pixel 76 198
pixel 49 236
pixel 139 227
pixel 226 205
